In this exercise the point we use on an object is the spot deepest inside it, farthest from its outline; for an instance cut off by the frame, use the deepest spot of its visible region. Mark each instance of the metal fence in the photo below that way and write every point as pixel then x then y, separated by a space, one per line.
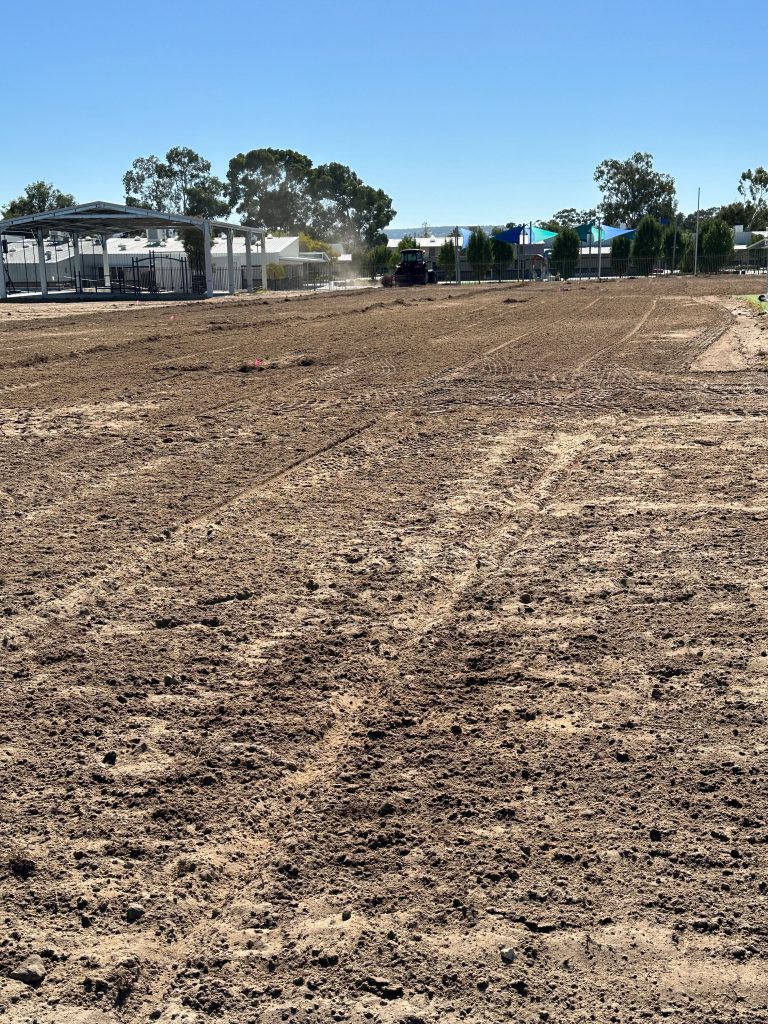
pixel 591 266
pixel 156 274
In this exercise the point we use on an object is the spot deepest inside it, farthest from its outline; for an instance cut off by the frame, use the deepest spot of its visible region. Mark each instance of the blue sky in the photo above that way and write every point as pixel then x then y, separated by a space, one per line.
pixel 462 115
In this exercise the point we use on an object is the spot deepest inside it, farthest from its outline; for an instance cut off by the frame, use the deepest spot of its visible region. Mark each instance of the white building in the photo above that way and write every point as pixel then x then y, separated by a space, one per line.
pixel 132 260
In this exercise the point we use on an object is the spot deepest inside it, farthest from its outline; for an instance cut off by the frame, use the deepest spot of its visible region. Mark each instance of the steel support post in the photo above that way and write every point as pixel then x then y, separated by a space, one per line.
pixel 41 264
pixel 230 262
pixel 105 262
pixel 78 261
pixel 3 289
pixel 248 263
pixel 207 258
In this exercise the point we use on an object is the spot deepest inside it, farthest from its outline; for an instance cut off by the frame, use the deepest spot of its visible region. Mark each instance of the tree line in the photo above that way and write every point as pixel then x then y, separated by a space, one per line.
pixel 277 188
pixel 632 189
pixel 653 243
pixel 283 190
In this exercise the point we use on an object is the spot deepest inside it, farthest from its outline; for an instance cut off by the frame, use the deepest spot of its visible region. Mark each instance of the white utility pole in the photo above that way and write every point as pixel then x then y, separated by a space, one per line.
pixel 696 249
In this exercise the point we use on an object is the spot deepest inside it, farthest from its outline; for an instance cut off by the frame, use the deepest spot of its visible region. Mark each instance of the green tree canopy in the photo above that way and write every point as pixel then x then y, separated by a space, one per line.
pixel 377 260
pixel 480 253
pixel 182 183
pixel 753 188
pixel 282 189
pixel 446 257
pixel 270 186
pixel 146 184
pixel 565 252
pixel 646 247
pixel 689 220
pixel 715 245
pixel 621 246
pixel 343 207
pixel 674 242
pixel 194 190
pixel 38 197
pixel 309 244
pixel 407 242
pixel 736 213
pixel 632 189
pixel 570 217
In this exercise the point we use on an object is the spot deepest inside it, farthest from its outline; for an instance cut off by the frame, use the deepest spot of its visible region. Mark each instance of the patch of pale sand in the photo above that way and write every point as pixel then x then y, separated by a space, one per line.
pixel 744 346
pixel 63 1014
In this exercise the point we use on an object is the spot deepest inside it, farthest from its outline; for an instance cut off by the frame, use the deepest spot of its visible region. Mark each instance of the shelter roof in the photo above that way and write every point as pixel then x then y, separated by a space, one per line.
pixel 110 218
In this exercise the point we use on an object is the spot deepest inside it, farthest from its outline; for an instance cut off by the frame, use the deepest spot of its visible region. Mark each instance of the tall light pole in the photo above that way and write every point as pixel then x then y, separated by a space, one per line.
pixel 696 249
pixel 456 254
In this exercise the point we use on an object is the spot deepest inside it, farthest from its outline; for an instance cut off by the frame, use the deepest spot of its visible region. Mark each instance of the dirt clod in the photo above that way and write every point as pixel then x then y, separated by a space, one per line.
pixel 31 971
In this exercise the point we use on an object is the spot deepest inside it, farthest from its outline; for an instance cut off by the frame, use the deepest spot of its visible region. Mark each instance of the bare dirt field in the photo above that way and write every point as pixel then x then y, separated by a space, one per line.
pixel 416 674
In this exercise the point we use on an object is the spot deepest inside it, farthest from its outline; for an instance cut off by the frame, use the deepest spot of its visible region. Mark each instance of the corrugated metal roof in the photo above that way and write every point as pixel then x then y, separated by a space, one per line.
pixel 110 217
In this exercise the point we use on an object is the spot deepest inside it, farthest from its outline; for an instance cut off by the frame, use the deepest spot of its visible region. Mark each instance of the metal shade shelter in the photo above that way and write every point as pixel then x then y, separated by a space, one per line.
pixel 105 219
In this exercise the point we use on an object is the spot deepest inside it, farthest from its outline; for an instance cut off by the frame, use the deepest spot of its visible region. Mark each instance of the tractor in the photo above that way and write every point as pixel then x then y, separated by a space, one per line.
pixel 412 269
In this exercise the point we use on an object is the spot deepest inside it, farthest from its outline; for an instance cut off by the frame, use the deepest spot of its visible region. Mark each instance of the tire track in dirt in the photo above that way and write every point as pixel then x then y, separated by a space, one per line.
pixel 627 337
pixel 74 599
pixel 317 382
pixel 132 557
pixel 449 616
pixel 351 708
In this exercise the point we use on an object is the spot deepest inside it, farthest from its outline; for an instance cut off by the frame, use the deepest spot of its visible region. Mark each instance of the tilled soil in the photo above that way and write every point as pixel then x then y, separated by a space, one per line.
pixel 350 641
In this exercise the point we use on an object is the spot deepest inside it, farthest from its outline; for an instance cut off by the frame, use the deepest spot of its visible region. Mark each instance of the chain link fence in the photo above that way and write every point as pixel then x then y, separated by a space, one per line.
pixel 593 266
pixel 161 274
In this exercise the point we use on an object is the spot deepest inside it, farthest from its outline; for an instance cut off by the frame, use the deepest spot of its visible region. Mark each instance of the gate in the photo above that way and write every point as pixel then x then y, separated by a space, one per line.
pixel 151 275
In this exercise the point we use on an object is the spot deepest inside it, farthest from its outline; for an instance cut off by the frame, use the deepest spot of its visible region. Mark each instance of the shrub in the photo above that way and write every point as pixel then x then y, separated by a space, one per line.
pixel 646 247
pixel 565 252
pixel 620 250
